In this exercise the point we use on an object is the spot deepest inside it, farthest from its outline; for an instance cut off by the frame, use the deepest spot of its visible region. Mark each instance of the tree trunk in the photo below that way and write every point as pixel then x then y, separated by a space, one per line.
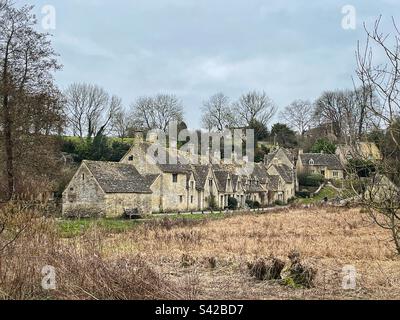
pixel 8 146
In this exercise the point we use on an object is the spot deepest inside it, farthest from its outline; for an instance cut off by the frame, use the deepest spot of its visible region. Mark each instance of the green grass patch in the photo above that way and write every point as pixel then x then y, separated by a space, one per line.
pixel 70 228
pixel 326 192
pixel 73 228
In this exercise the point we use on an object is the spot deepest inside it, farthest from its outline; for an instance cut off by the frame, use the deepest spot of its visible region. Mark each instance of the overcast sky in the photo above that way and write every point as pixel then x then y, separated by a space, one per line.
pixel 195 48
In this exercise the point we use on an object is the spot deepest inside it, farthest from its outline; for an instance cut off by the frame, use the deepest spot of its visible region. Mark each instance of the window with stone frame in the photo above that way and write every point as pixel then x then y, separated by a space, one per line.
pixel 175 178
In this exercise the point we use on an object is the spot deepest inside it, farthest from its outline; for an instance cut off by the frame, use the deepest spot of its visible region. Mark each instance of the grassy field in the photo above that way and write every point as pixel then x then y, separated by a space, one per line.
pixel 198 257
pixel 70 228
pixel 327 192
pixel 327 239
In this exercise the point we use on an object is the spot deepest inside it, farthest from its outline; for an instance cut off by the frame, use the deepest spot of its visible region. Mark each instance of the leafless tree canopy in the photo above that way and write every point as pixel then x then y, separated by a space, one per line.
pixel 217 113
pixel 299 115
pixel 157 112
pixel 382 196
pixel 254 106
pixel 90 109
pixel 345 111
pixel 383 78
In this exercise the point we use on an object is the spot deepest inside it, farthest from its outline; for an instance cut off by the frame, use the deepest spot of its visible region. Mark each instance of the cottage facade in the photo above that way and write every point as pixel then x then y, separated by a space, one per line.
pixel 139 184
pixel 327 165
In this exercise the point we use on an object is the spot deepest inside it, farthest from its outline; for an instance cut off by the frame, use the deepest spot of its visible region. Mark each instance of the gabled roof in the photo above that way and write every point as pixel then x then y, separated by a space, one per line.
pixel 285 172
pixel 270 156
pixel 273 183
pixel 116 177
pixel 321 159
pixel 222 179
pixel 255 188
pixel 150 179
pixel 174 168
pixel 200 173
pixel 260 172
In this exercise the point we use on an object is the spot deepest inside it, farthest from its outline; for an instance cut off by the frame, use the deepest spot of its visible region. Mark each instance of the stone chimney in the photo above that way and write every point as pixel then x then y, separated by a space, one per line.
pixel 152 137
pixel 301 151
pixel 138 137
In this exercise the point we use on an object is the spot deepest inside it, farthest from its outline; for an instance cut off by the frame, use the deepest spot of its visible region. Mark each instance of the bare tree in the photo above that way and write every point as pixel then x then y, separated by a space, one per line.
pixel 254 106
pixel 90 109
pixel 157 112
pixel 217 113
pixel 121 123
pixel 27 61
pixel 382 196
pixel 299 115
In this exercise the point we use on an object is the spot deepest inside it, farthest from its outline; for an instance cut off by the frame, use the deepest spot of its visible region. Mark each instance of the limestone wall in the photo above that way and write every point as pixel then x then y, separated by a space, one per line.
pixel 83 194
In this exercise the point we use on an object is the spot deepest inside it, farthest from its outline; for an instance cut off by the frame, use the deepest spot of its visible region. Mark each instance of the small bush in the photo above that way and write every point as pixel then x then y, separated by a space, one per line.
pixel 253 204
pixel 266 269
pixel 303 194
pixel 298 275
pixel 232 203
pixel 278 203
pixel 312 180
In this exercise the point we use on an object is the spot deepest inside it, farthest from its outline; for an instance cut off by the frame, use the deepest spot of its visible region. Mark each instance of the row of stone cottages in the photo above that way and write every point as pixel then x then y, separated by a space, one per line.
pixel 136 184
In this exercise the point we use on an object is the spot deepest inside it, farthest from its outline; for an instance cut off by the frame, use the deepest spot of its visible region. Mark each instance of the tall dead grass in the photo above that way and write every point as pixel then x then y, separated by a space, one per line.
pixel 29 242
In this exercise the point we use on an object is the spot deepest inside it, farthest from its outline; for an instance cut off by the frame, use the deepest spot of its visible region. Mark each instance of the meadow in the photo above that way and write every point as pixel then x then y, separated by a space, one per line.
pixel 203 257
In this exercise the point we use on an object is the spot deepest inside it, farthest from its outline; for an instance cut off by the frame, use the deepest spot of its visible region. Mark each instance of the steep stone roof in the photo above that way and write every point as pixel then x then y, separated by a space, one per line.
pixel 270 156
pixel 260 172
pixel 150 179
pixel 254 188
pixel 222 179
pixel 285 172
pixel 117 177
pixel 273 183
pixel 200 173
pixel 320 159
pixel 174 168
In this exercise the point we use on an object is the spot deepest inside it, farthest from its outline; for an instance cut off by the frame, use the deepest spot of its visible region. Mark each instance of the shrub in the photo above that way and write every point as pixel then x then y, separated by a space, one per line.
pixel 266 269
pixel 279 203
pixel 253 204
pixel 323 145
pixel 232 203
pixel 312 180
pixel 298 275
pixel 303 194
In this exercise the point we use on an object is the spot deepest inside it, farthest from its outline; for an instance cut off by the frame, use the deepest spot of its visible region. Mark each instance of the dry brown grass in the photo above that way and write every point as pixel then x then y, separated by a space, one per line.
pixel 29 242
pixel 327 239
pixel 202 259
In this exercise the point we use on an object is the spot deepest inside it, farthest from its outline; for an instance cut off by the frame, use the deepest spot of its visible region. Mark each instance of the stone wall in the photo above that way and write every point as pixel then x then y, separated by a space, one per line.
pixel 116 203
pixel 83 195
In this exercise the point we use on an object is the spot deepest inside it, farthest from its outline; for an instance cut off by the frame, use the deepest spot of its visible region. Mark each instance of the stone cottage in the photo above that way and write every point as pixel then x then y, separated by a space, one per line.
pixel 328 165
pixel 107 189
pixel 140 184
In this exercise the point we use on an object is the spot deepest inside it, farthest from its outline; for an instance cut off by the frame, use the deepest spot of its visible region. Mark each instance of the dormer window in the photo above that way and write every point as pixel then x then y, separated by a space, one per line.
pixel 175 178
pixel 311 162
